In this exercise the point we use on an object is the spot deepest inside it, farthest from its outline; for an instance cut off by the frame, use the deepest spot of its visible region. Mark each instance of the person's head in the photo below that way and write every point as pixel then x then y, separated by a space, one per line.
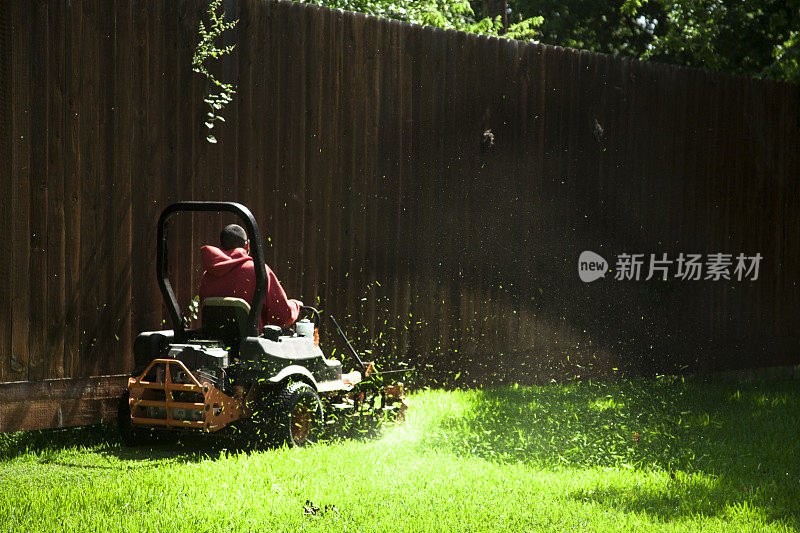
pixel 234 236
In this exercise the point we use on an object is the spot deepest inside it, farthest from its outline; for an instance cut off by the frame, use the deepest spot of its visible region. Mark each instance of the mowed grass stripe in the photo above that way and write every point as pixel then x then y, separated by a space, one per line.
pixel 662 455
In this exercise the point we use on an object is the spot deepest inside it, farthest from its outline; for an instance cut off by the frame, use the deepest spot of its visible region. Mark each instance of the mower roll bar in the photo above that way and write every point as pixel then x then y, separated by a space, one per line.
pixel 256 251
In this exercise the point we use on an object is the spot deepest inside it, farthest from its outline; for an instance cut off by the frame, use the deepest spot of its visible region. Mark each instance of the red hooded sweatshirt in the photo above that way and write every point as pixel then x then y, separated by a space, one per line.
pixel 231 273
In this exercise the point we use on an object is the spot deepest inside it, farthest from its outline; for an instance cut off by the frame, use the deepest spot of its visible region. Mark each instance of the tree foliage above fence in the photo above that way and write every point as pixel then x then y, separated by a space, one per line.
pixel 448 14
pixel 759 38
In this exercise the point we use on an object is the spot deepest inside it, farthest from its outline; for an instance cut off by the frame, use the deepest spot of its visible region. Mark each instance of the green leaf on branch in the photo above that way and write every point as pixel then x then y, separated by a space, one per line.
pixel 207 50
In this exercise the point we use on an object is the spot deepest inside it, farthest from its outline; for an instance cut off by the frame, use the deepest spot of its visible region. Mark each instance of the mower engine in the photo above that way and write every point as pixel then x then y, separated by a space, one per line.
pixel 207 363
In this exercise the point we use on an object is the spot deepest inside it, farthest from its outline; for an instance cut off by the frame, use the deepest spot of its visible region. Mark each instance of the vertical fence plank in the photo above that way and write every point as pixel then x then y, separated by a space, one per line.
pixel 328 153
pixel 155 139
pixel 370 231
pixel 357 182
pixel 303 180
pixel 675 178
pixel 56 200
pixel 724 177
pixel 293 236
pixel 251 160
pixel 441 312
pixel 718 179
pixel 169 76
pixel 518 290
pixel 532 177
pixel 740 204
pixel 37 116
pixel 121 214
pixel 386 179
pixel 270 140
pixel 90 188
pixel 203 232
pixel 417 248
pixel 332 155
pixel 403 213
pixel 314 221
pixel 684 167
pixel 228 173
pixel 286 209
pixel 779 239
pixel 471 138
pixel 407 212
pixel 358 179
pixel 328 50
pixel 104 218
pixel 400 150
pixel 338 144
pixel 72 189
pixel 790 137
pixel 585 177
pixel 190 118
pixel 513 115
pixel 217 187
pixel 459 135
pixel 489 313
pixel 434 281
pixel 195 142
pixel 244 103
pixel 21 97
pixel 6 182
pixel 452 234
pixel 708 204
pixel 344 188
pixel 254 126
pixel 141 303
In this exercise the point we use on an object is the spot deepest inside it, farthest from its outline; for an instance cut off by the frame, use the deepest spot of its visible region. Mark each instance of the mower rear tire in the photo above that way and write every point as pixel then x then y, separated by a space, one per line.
pixel 299 418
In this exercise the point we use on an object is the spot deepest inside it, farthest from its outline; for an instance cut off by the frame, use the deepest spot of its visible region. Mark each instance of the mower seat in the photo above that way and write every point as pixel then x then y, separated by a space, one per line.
pixel 225 319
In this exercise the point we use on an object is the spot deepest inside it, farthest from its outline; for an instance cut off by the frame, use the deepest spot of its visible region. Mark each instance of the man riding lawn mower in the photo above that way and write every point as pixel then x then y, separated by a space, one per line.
pixel 271 380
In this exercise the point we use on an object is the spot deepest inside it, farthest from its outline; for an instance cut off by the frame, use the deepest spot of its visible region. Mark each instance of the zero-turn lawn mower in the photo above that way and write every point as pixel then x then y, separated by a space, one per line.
pixel 276 384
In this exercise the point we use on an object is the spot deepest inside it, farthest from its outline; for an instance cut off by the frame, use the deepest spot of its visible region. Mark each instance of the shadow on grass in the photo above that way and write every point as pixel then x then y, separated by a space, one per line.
pixel 169 447
pixel 54 440
pixel 741 437
pixel 105 440
pixel 682 500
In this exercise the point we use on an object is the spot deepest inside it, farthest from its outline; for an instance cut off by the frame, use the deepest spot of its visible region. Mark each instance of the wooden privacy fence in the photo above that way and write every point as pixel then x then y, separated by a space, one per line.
pixel 432 189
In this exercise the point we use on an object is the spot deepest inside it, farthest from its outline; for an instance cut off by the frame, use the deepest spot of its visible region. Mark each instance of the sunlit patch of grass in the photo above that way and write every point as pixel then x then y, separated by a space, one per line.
pixel 643 455
pixel 711 450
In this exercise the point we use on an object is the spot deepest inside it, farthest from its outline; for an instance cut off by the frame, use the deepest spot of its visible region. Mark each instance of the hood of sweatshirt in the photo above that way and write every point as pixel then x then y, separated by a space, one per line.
pixel 218 262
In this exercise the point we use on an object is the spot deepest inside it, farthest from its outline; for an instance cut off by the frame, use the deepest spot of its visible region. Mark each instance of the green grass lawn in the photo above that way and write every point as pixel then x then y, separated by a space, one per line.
pixel 658 455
